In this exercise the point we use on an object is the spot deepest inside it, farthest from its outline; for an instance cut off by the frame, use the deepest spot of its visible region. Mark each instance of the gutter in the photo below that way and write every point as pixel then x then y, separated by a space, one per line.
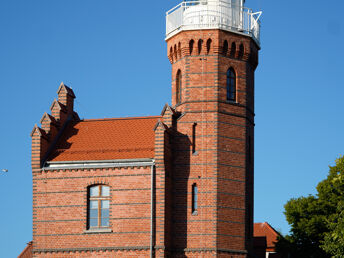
pixel 152 211
pixel 54 165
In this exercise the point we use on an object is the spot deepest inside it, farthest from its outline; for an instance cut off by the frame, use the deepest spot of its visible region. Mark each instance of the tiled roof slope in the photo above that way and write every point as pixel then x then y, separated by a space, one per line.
pixel 265 230
pixel 107 139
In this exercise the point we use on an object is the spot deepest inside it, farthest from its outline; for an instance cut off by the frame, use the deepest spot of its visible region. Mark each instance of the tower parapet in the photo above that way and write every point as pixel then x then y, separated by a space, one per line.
pixel 229 15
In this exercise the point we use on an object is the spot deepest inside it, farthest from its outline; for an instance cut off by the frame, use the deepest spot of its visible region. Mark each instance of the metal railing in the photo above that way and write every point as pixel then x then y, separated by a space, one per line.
pixel 211 14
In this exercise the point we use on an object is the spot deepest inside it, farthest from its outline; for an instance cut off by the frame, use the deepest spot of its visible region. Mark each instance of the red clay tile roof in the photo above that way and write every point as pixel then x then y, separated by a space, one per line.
pixel 107 139
pixel 265 230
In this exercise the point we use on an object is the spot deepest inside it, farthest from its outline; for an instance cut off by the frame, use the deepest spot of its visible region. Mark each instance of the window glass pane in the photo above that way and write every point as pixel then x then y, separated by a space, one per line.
pixel 93 213
pixel 105 213
pixel 105 222
pixel 105 190
pixel 94 191
pixel 105 204
pixel 195 197
pixel 93 204
pixel 93 222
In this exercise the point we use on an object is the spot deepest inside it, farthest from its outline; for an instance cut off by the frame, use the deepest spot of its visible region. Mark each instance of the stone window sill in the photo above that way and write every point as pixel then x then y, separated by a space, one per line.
pixel 98 230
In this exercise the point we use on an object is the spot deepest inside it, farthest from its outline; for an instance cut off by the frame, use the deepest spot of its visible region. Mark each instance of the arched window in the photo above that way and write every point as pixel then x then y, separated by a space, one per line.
pixel 225 48
pixel 191 44
pixel 233 49
pixel 178 87
pixel 241 51
pixel 208 45
pixel 231 85
pixel 200 43
pixel 179 50
pixel 171 53
pixel 98 207
pixel 194 199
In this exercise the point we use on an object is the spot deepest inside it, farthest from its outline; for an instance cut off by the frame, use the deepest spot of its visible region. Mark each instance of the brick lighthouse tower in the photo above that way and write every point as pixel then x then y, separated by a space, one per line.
pixel 213 48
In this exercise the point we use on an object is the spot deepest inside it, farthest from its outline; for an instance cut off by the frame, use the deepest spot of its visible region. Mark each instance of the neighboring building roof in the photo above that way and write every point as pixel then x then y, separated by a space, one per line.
pixel 107 139
pixel 265 230
pixel 27 252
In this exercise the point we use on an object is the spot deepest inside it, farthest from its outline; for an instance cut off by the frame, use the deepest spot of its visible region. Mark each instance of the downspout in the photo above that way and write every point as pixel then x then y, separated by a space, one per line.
pixel 152 211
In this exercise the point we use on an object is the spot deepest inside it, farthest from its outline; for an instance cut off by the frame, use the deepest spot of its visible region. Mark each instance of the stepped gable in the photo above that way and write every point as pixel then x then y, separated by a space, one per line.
pixel 107 139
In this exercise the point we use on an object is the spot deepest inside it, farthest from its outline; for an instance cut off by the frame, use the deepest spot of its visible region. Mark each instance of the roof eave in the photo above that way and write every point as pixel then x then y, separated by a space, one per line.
pixel 89 164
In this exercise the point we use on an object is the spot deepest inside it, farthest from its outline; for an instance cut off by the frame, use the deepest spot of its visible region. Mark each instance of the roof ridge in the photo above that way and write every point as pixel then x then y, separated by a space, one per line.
pixel 271 228
pixel 119 118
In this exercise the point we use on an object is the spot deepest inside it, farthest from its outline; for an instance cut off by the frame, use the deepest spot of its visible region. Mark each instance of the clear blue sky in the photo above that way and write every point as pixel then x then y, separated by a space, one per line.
pixel 113 54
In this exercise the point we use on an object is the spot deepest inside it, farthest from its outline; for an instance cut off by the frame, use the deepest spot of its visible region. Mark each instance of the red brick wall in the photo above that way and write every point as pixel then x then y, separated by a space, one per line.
pixel 60 211
pixel 221 167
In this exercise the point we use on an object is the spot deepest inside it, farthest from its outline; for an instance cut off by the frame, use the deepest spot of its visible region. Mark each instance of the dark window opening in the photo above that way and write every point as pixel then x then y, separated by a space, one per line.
pixel 233 50
pixel 200 43
pixel 194 138
pixel 231 85
pixel 208 45
pixel 250 149
pixel 178 86
pixel 241 51
pixel 191 44
pixel 225 48
pixel 171 53
pixel 194 198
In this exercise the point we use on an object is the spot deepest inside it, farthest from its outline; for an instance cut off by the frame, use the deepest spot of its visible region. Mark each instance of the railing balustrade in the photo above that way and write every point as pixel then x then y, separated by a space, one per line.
pixel 203 14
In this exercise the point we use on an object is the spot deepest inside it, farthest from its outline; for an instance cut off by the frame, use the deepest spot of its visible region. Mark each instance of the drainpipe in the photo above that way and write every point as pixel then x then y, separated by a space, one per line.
pixel 152 212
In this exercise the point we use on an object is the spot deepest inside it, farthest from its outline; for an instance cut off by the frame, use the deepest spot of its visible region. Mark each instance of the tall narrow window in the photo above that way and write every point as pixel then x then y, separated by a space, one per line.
pixel 178 86
pixel 98 206
pixel 200 43
pixel 194 138
pixel 241 51
pixel 225 48
pixel 194 198
pixel 233 50
pixel 250 149
pixel 231 85
pixel 208 45
pixel 191 44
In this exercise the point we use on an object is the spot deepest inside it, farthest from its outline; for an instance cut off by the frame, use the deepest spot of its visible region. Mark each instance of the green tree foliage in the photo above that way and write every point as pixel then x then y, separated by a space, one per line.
pixel 317 222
